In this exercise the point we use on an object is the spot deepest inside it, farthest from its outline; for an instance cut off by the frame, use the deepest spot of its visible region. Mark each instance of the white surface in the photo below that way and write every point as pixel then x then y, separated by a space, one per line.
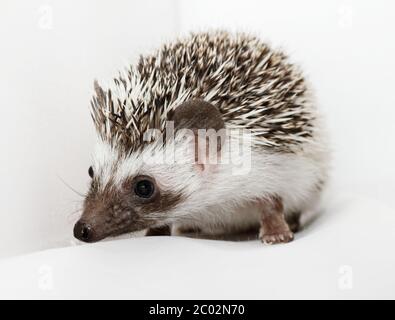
pixel 355 236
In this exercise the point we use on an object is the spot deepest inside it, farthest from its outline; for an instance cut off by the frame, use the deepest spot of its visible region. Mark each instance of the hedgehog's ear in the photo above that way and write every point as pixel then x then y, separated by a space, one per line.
pixel 197 114
pixel 205 122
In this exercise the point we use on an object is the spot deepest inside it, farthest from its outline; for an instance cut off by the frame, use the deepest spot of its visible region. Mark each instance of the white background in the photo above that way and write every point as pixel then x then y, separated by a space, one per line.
pixel 52 50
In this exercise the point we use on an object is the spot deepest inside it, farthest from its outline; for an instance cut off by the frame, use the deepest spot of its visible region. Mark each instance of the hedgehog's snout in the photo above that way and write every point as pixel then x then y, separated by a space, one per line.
pixel 84 232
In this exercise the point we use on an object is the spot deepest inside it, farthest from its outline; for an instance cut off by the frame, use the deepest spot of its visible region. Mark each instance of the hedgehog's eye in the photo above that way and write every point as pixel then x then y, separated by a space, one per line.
pixel 144 188
pixel 91 172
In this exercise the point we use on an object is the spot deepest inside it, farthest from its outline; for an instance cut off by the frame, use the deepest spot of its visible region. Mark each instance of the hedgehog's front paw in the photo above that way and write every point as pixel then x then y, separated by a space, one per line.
pixel 281 237
pixel 274 228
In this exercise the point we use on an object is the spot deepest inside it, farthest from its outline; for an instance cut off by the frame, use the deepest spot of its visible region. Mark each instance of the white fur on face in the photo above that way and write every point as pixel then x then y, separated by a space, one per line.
pixel 105 159
pixel 172 167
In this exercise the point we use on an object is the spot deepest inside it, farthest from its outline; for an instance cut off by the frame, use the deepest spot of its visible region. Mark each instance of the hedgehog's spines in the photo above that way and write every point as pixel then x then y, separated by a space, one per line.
pixel 253 86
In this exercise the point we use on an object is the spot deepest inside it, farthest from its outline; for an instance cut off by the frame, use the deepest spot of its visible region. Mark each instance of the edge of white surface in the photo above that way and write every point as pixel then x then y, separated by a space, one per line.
pixel 186 268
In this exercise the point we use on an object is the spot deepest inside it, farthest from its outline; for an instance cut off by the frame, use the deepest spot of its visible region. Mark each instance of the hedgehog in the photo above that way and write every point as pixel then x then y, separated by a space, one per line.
pixel 213 133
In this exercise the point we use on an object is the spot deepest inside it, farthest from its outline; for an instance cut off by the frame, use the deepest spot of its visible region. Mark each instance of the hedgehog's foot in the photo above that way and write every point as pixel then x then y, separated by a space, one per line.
pixel 284 237
pixel 274 227
pixel 160 231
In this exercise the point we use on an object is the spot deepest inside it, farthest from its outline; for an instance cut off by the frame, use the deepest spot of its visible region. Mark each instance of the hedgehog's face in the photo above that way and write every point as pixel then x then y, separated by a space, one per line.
pixel 125 196
pixel 131 206
pixel 143 189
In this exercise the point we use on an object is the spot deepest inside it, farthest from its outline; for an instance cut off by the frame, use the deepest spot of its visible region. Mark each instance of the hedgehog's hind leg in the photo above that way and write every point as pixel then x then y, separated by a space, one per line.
pixel 274 227
pixel 293 220
pixel 185 230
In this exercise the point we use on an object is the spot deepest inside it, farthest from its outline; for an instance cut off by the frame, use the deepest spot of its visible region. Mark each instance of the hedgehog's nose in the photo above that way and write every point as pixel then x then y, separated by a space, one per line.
pixel 83 232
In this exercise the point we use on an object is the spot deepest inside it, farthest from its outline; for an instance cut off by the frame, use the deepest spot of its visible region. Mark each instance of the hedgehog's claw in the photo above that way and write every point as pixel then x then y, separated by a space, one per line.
pixel 284 237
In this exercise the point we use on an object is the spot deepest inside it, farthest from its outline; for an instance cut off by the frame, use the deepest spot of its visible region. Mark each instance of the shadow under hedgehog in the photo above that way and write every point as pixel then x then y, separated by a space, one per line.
pixel 214 83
